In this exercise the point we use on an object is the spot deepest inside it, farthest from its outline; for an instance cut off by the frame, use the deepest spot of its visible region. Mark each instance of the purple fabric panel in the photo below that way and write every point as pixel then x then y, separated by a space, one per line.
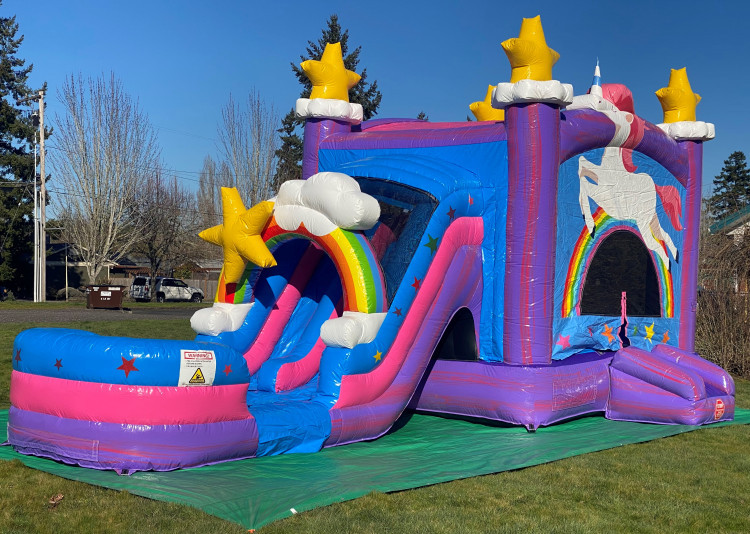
pixel 315 131
pixel 130 447
pixel 582 130
pixel 374 123
pixel 586 129
pixel 417 138
pixel 662 148
pixel 631 399
pixel 371 420
pixel 713 375
pixel 662 373
pixel 533 163
pixel 530 396
pixel 689 252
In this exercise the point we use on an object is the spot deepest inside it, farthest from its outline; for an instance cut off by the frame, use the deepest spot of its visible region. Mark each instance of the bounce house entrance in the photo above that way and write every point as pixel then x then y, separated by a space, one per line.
pixel 622 263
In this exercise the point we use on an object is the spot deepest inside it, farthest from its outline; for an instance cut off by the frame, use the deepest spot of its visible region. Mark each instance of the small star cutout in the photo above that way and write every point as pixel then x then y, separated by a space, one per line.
pixel 666 337
pixel 377 356
pixel 227 369
pixel 678 101
pixel 649 332
pixel 451 212
pixel 417 283
pixel 484 111
pixel 398 312
pixel 564 341
pixel 58 363
pixel 635 330
pixel 530 57
pixel 471 201
pixel 239 234
pixel 608 333
pixel 127 365
pixel 18 355
pixel 329 77
pixel 591 333
pixel 431 244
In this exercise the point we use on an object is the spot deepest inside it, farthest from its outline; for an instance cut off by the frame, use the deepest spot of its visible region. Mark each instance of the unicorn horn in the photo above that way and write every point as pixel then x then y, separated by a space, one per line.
pixel 596 84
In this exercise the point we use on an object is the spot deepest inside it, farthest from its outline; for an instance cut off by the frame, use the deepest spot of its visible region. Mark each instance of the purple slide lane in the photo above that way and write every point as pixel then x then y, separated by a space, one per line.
pixel 370 402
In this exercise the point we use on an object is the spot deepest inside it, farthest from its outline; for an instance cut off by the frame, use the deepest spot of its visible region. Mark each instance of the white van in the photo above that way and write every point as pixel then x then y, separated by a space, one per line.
pixel 165 289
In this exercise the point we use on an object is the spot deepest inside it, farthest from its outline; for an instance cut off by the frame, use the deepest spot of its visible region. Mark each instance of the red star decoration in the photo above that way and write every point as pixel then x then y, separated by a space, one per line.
pixel 398 312
pixel 564 341
pixel 127 365
pixel 58 363
pixel 591 333
pixel 666 337
pixel 608 333
pixel 18 355
pixel 227 369
pixel 417 283
pixel 471 201
pixel 451 212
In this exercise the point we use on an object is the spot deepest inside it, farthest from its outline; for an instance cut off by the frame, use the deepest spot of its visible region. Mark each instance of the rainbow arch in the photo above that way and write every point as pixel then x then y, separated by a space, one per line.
pixel 361 277
pixel 583 252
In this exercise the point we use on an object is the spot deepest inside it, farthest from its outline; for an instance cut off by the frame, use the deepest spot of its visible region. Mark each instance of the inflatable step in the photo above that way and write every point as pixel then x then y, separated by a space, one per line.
pixel 668 386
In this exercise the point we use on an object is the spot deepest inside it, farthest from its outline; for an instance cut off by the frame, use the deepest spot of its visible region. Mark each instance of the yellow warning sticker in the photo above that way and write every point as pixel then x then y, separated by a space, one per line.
pixel 197 377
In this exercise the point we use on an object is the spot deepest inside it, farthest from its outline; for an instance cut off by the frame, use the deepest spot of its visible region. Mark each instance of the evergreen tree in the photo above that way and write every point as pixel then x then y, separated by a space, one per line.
pixel 731 187
pixel 16 163
pixel 364 93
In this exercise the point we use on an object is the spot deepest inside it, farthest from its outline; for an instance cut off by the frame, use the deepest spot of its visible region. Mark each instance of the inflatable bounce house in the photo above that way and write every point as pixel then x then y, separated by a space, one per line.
pixel 532 266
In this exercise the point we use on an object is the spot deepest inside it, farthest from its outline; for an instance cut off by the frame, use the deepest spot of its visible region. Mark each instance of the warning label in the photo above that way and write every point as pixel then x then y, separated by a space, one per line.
pixel 197 368
pixel 198 377
pixel 719 409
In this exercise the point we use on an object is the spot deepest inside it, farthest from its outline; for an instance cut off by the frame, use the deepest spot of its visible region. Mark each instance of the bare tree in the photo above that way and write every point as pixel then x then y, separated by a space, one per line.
pixel 212 178
pixel 105 145
pixel 165 214
pixel 249 141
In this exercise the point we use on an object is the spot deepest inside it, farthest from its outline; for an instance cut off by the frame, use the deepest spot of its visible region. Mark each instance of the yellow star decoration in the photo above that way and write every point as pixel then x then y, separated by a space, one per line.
pixel 649 332
pixel 678 100
pixel 530 57
pixel 377 356
pixel 329 77
pixel 239 234
pixel 484 111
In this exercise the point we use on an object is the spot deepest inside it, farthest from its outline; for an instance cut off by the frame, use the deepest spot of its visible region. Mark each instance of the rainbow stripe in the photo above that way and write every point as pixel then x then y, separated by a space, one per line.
pixel 581 258
pixel 360 273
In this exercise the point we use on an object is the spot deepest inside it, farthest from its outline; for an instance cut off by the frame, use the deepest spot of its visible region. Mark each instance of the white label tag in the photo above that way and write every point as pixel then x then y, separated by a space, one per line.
pixel 197 368
pixel 105 293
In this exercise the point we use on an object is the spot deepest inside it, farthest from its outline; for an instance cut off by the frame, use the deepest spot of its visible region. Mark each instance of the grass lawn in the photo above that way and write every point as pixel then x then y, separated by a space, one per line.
pixel 693 482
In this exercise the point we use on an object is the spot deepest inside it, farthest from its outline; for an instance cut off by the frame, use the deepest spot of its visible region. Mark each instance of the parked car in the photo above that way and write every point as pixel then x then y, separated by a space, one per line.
pixel 165 289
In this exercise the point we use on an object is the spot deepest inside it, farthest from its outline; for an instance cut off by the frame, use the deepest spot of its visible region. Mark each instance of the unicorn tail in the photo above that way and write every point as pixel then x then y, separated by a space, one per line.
pixel 670 199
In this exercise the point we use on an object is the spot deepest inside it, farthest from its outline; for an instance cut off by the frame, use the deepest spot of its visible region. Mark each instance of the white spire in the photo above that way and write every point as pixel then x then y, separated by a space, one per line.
pixel 596 84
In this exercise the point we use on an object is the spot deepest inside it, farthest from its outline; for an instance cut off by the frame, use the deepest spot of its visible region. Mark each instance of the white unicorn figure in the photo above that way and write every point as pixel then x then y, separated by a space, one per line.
pixel 629 196
pixel 615 186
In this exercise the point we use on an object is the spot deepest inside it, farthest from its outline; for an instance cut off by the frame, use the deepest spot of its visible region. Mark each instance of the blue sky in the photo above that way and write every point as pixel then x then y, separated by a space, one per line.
pixel 182 59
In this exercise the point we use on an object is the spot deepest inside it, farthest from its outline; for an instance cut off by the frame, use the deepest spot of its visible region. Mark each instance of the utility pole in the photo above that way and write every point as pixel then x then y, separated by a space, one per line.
pixel 40 236
pixel 43 200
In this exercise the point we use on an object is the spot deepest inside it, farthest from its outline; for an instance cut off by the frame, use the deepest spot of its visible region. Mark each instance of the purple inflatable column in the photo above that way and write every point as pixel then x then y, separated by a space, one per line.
pixel 533 162
pixel 689 253
pixel 316 130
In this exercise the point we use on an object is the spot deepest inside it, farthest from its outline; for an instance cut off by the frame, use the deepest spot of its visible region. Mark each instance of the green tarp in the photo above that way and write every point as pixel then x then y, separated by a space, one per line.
pixel 424 450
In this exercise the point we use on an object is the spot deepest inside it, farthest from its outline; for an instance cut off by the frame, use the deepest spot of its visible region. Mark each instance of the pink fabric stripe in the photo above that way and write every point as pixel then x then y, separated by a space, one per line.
pixel 295 374
pixel 124 404
pixel 269 335
pixel 362 388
